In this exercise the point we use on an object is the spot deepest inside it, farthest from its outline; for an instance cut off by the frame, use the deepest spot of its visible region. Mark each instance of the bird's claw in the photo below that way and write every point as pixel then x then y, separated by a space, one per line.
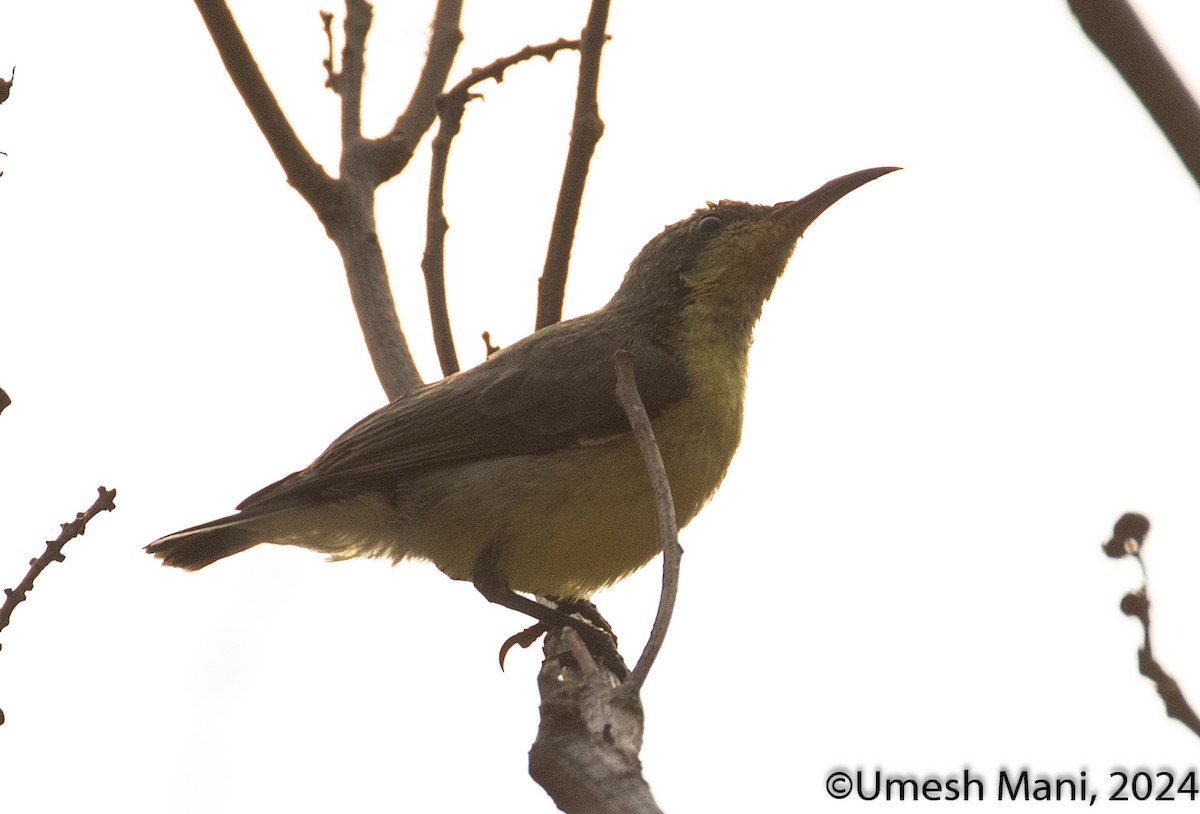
pixel 525 638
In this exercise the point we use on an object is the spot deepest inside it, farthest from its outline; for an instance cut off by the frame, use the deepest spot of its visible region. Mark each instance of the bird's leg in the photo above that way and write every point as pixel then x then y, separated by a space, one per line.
pixel 597 635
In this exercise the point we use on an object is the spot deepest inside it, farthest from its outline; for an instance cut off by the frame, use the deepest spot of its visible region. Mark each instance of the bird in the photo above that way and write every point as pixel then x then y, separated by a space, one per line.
pixel 522 474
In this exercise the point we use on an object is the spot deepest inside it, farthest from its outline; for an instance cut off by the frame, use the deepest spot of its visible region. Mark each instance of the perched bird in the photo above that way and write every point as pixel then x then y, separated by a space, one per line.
pixel 522 474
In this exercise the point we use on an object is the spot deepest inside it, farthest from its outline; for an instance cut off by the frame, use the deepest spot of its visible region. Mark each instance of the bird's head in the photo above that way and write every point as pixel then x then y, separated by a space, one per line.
pixel 720 264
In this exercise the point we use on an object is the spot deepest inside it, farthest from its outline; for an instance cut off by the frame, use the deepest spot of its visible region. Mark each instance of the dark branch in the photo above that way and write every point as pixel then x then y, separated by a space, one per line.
pixel 495 70
pixel 53 553
pixel 488 347
pixel 586 130
pixel 1128 540
pixel 1168 688
pixel 668 527
pixel 302 171
pixel 451 107
pixel 15 596
pixel 1115 29
pixel 6 86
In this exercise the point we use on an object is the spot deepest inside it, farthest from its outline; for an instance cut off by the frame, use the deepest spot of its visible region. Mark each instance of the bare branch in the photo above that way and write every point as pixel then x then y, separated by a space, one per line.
pixel 590 735
pixel 345 206
pixel 350 77
pixel 1176 703
pixel 361 173
pixel 1115 29
pixel 586 130
pixel 668 527
pixel 1128 540
pixel 392 152
pixel 327 63
pixel 433 261
pixel 371 293
pixel 75 528
pixel 451 107
pixel 53 553
pixel 302 171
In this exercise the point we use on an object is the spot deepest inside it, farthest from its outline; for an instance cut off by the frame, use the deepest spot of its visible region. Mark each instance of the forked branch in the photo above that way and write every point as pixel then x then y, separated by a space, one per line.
pixel 451 107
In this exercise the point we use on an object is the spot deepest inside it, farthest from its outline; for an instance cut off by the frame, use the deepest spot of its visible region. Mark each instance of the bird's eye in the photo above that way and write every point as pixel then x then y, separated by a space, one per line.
pixel 709 225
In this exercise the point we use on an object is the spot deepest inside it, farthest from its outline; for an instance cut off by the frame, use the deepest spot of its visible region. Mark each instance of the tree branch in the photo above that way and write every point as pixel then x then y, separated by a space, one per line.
pixel 586 752
pixel 586 130
pixel 668 526
pixel 344 206
pixel 53 553
pixel 1117 32
pixel 350 77
pixel 589 736
pixel 1128 540
pixel 75 528
pixel 327 62
pixel 371 293
pixel 303 173
pixel 392 152
pixel 451 107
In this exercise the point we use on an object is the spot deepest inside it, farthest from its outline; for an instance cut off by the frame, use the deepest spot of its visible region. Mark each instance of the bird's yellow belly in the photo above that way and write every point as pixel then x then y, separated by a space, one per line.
pixel 567 535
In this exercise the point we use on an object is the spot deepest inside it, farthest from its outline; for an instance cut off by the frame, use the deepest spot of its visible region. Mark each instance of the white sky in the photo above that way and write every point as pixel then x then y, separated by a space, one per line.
pixel 972 368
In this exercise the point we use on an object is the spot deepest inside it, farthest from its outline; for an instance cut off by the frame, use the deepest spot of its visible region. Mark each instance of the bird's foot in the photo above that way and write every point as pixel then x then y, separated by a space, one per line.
pixel 588 610
pixel 600 642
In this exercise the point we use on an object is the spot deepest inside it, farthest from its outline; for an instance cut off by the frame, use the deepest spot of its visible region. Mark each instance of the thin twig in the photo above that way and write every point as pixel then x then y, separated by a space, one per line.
pixel 488 347
pixel 586 130
pixel 1129 539
pixel 327 63
pixel 451 107
pixel 668 528
pixel 15 596
pixel 53 553
pixel 433 261
pixel 1115 29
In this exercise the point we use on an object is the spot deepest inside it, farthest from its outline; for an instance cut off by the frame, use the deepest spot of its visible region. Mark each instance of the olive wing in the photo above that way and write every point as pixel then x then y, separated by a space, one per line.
pixel 552 390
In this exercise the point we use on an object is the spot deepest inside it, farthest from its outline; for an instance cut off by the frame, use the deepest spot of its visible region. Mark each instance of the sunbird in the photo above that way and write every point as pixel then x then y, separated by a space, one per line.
pixel 522 474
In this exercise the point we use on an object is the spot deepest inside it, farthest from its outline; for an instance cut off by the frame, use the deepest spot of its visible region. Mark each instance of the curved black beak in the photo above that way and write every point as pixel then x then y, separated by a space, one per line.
pixel 797 215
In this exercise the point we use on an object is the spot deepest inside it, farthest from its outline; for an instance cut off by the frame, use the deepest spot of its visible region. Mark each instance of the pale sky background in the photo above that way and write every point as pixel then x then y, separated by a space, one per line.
pixel 971 369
